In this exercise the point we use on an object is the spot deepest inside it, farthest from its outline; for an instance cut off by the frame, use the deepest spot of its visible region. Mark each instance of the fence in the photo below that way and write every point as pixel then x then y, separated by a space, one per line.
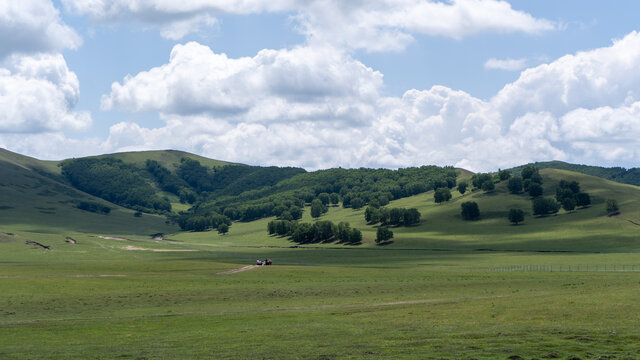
pixel 567 268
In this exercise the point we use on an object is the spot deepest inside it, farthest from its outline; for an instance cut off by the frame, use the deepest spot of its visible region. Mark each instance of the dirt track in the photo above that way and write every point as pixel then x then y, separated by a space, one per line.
pixel 235 271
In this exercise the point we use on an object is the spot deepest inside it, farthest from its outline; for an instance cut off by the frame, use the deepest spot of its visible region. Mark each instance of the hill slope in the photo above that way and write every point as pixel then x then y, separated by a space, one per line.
pixel 35 197
pixel 618 174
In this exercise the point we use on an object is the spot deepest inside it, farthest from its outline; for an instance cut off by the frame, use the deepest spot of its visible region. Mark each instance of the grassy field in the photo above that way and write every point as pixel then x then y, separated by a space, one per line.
pixel 435 292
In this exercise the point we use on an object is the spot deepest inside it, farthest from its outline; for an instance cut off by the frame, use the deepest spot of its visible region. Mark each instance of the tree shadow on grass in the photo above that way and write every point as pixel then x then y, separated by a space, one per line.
pixel 385 243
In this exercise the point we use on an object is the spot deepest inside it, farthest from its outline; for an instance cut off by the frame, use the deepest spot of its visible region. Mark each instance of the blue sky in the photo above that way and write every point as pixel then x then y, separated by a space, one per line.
pixel 482 84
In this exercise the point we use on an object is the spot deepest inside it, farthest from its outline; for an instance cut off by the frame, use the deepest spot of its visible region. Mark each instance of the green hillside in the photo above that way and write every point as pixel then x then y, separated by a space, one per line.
pixel 35 198
pixel 618 174
pixel 168 158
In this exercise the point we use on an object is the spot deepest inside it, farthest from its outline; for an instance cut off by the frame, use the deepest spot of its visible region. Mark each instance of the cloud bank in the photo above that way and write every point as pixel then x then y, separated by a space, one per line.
pixel 374 25
pixel 318 107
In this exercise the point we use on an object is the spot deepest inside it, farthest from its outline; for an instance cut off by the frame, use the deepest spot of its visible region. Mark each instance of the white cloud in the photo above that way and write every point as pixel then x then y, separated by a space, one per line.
pixel 374 25
pixel 33 26
pixel 505 64
pixel 383 25
pixel 317 107
pixel 37 94
pixel 320 84
pixel 606 76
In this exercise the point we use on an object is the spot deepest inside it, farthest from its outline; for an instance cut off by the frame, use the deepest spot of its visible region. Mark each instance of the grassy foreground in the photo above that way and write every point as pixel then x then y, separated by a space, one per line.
pixel 439 291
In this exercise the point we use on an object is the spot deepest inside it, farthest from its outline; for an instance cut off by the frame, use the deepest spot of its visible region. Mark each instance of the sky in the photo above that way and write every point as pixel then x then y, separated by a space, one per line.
pixel 478 84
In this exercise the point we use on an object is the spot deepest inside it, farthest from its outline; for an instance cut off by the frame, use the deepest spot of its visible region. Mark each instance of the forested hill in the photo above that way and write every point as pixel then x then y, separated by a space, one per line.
pixel 618 174
pixel 216 192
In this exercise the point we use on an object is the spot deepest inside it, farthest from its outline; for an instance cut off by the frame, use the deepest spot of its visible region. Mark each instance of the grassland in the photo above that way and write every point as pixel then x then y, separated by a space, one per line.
pixel 435 292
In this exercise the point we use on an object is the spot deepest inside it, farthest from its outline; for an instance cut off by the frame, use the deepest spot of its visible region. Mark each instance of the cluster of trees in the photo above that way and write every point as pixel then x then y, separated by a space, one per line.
pixel 529 181
pixel 93 207
pixel 483 181
pixel 320 231
pixel 117 182
pixel 355 188
pixel 203 222
pixel 393 216
pixel 568 195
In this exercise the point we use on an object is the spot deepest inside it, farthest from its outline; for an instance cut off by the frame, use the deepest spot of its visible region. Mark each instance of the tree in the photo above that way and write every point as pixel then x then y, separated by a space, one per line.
pixel 335 198
pixel 545 206
pixel 612 207
pixel 396 215
pixel 478 179
pixel 371 215
pixel 528 171
pixel 411 217
pixel 504 175
pixel 535 190
pixel 488 186
pixel 383 234
pixel 515 185
pixel 325 198
pixel 462 187
pixel 568 203
pixel 356 203
pixel 317 208
pixel 583 199
pixel 441 195
pixel 516 216
pixel 223 229
pixel 470 210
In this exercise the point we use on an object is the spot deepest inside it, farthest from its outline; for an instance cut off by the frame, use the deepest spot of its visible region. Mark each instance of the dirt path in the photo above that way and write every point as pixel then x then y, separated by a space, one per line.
pixel 235 271
pixel 135 248
pixel 113 238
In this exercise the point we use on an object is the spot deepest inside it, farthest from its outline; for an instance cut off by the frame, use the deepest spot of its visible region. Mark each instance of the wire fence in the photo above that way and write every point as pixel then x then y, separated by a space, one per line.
pixel 567 268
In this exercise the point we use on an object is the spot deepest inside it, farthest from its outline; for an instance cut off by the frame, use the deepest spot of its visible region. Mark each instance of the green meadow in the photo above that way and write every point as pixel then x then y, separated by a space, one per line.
pixel 564 286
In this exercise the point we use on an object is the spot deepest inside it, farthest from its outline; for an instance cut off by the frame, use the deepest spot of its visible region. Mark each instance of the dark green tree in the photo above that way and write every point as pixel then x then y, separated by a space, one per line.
pixel 583 199
pixel 223 229
pixel 545 206
pixel 515 185
pixel 441 195
pixel 612 207
pixel 411 216
pixel 383 234
pixel 356 203
pixel 462 187
pixel 528 171
pixel 317 208
pixel 535 190
pixel 568 203
pixel 516 216
pixel 488 186
pixel 470 210
pixel 504 175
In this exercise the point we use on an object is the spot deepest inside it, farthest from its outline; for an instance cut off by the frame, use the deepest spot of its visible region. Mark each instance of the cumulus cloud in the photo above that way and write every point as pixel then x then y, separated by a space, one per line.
pixel 374 25
pixel 38 94
pixel 320 84
pixel 33 26
pixel 505 64
pixel 318 107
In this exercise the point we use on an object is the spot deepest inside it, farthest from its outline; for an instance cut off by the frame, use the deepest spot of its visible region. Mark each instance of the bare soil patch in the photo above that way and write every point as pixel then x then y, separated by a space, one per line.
pixel 235 271
pixel 113 238
pixel 70 240
pixel 135 248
